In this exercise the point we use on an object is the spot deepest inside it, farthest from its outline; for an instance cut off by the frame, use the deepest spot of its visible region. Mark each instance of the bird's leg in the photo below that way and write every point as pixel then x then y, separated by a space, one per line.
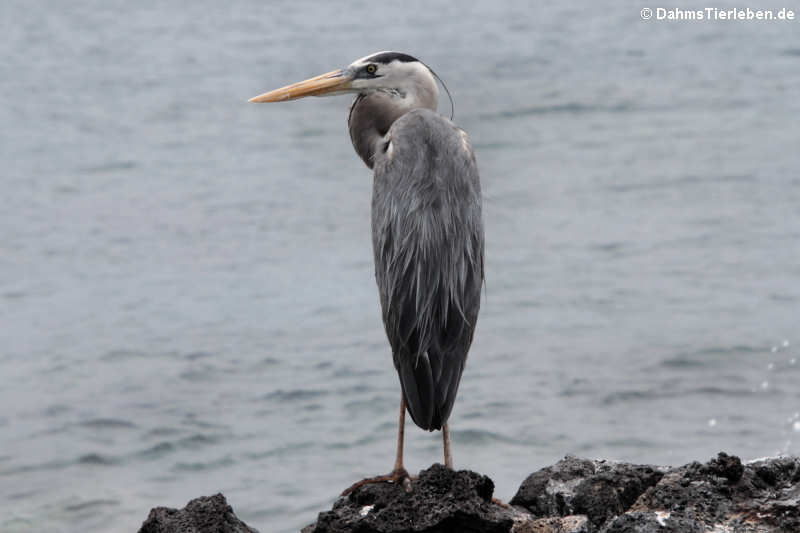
pixel 448 459
pixel 448 456
pixel 399 474
pixel 401 437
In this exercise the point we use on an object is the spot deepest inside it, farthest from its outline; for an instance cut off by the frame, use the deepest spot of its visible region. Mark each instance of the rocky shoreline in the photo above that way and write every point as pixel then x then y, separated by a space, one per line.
pixel 574 495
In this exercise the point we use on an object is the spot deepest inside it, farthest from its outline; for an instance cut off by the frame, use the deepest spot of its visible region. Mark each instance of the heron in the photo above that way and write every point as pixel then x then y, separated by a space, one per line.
pixel 427 228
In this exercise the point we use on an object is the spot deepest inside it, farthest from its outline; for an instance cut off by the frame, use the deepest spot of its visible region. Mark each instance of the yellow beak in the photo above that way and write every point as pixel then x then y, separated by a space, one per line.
pixel 331 82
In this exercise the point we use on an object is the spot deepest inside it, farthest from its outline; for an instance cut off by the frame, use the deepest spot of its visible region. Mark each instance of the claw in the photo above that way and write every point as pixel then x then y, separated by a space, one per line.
pixel 501 503
pixel 396 476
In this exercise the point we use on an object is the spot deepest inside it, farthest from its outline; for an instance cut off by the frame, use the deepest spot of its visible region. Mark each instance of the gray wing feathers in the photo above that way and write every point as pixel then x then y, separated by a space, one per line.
pixel 427 235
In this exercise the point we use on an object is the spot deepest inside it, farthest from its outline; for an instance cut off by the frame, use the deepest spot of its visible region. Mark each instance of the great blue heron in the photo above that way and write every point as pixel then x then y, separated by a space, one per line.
pixel 427 230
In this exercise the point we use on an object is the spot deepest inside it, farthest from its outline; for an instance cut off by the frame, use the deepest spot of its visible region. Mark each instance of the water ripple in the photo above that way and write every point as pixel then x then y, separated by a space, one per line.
pixel 198 440
pixel 576 108
pixel 481 437
pixel 201 466
pixel 156 451
pixel 293 395
pixel 108 167
pixel 108 423
pixel 90 504
pixel 97 459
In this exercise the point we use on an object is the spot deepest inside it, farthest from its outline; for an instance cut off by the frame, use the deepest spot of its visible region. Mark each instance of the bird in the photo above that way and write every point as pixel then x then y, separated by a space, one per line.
pixel 427 228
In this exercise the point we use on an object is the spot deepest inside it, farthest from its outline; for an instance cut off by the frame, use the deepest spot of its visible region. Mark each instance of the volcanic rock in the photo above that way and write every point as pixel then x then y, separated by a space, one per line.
pixel 207 514
pixel 574 495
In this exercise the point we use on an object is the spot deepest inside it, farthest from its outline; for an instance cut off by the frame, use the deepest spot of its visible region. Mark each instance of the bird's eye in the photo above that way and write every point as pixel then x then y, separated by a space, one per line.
pixel 371 68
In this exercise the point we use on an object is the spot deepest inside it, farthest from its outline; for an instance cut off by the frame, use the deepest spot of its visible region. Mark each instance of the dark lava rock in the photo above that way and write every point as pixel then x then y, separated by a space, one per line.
pixel 646 522
pixel 572 496
pixel 762 496
pixel 440 500
pixel 207 514
pixel 598 489
pixel 722 495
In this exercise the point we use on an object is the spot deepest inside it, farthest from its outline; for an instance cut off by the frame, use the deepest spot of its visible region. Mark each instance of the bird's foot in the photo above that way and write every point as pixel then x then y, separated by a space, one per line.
pixel 398 475
pixel 501 503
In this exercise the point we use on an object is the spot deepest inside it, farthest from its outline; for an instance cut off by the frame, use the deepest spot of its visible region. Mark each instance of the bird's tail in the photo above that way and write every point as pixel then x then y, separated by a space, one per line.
pixel 430 383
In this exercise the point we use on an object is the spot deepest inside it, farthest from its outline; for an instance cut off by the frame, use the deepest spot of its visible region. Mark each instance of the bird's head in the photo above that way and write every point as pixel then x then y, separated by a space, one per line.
pixel 397 74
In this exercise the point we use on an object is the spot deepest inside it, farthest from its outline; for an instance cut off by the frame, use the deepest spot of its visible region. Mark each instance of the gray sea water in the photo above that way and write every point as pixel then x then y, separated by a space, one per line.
pixel 187 301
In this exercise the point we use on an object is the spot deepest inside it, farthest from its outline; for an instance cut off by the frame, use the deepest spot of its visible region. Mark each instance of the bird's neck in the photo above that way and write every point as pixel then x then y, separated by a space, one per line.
pixel 372 114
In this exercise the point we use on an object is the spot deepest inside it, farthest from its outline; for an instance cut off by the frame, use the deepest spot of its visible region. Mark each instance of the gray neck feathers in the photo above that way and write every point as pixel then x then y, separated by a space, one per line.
pixel 373 113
